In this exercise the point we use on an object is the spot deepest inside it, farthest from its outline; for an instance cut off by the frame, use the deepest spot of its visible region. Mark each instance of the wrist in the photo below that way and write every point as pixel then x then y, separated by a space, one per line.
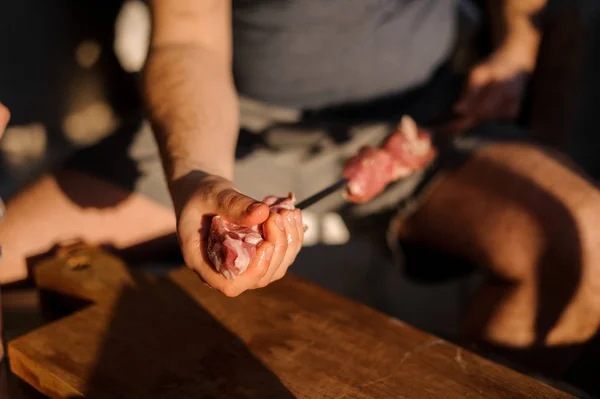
pixel 520 41
pixel 520 49
pixel 180 167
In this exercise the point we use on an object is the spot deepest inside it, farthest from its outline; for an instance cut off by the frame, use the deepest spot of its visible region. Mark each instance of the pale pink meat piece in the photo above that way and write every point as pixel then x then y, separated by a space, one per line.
pixel 408 150
pixel 231 248
pixel 277 204
pixel 368 171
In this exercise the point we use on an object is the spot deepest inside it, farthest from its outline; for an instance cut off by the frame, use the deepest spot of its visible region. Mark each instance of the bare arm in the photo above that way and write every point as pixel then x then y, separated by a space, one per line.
pixel 513 25
pixel 194 111
pixel 189 88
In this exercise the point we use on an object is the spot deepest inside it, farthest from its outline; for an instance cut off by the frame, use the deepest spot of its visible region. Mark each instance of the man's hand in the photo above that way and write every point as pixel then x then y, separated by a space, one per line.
pixel 495 87
pixel 4 118
pixel 199 196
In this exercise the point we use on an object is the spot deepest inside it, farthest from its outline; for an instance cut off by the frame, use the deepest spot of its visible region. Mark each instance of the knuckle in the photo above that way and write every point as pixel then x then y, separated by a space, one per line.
pixel 262 268
pixel 210 187
pixel 282 244
pixel 292 258
pixel 231 199
pixel 478 74
pixel 262 283
pixel 224 197
pixel 280 274
pixel 479 79
pixel 292 235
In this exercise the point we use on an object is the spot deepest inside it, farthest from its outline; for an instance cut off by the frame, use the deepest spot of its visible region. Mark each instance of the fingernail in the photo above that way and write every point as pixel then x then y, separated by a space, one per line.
pixel 253 207
pixel 279 222
pixel 297 214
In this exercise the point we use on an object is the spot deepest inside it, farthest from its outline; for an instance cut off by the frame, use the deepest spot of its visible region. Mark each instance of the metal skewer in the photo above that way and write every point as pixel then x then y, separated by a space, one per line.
pixel 322 194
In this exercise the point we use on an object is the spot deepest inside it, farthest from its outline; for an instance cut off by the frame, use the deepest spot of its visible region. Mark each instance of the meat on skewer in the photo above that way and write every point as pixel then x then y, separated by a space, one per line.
pixel 408 150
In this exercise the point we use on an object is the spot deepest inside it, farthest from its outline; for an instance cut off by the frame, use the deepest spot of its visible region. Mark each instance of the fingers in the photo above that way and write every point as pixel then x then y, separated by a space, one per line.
pixel 499 102
pixel 287 242
pixel 478 79
pixel 4 118
pixel 193 249
pixel 294 246
pixel 255 272
pixel 494 101
pixel 492 93
pixel 511 104
pixel 488 102
pixel 245 281
pixel 284 235
pixel 276 231
pixel 293 241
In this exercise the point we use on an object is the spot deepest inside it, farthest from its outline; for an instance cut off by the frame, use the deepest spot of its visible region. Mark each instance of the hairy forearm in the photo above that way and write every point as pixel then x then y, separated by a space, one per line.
pixel 193 108
pixel 514 25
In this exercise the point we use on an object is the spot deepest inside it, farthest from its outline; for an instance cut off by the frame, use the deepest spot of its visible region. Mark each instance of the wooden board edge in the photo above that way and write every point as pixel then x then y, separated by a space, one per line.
pixel 22 366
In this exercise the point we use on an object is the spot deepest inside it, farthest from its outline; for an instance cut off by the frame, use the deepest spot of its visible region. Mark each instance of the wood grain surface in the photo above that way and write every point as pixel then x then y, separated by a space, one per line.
pixel 177 338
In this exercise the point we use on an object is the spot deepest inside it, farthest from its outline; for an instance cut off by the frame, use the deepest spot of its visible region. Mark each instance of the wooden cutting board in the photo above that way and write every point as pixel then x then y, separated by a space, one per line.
pixel 177 338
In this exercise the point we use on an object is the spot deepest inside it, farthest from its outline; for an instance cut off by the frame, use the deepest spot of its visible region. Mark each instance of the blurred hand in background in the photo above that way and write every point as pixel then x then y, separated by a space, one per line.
pixel 495 87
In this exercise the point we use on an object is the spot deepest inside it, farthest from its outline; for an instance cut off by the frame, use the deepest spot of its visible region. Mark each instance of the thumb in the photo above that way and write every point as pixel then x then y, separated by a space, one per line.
pixel 241 209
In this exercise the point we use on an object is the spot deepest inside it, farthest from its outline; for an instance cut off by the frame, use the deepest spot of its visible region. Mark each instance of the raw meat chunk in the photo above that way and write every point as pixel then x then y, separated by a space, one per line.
pixel 410 147
pixel 408 150
pixel 368 171
pixel 231 248
pixel 277 204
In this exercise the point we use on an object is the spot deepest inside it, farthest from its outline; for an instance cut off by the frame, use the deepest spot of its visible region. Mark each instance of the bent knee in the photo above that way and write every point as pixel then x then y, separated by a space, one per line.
pixel 557 240
pixel 589 222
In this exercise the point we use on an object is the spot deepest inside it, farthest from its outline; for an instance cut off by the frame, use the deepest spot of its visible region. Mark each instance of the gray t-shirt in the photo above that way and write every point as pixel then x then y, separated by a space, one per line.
pixel 315 53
